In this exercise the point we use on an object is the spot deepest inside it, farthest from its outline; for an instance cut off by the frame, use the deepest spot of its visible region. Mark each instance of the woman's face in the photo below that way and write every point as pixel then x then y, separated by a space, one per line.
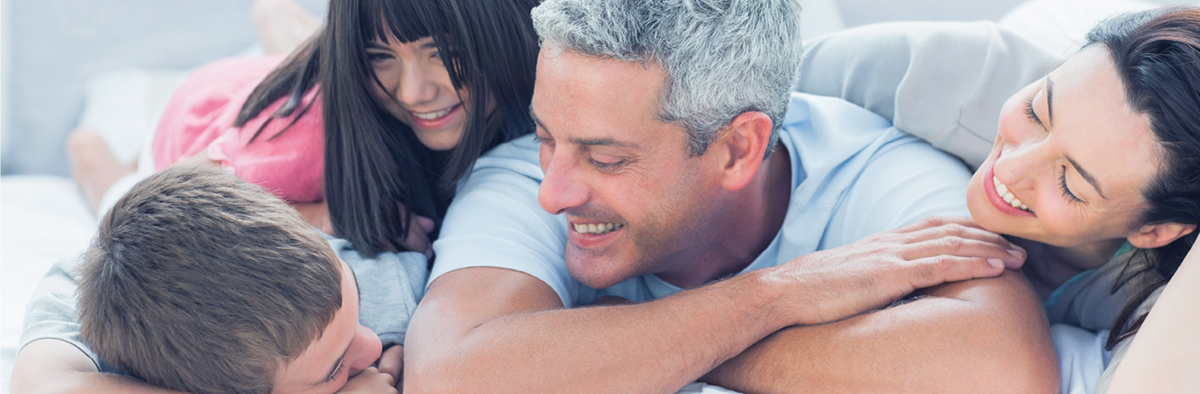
pixel 416 89
pixel 1070 161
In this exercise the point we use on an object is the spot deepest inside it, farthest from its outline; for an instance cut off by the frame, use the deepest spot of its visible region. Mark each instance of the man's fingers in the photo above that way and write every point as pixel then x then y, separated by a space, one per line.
pixel 933 271
pixel 963 247
pixel 935 221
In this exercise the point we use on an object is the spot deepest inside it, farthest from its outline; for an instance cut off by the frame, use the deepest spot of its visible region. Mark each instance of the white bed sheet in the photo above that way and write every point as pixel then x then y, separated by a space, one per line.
pixel 43 219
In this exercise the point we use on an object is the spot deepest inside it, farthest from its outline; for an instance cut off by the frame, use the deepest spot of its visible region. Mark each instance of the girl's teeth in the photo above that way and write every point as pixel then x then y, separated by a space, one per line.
pixel 433 115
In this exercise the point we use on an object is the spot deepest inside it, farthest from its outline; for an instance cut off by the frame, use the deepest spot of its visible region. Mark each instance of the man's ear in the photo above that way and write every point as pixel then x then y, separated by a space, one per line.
pixel 1153 236
pixel 743 144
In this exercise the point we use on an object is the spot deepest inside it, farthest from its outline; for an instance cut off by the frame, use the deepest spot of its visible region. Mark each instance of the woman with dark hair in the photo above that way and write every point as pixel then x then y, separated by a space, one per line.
pixel 367 127
pixel 1093 167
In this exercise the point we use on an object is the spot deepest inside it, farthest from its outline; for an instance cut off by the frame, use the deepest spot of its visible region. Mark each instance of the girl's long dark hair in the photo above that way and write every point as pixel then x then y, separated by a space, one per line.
pixel 1157 55
pixel 376 171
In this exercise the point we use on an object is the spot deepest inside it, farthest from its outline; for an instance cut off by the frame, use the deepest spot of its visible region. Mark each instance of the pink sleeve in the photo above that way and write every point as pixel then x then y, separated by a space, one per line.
pixel 288 163
pixel 201 113
pixel 205 105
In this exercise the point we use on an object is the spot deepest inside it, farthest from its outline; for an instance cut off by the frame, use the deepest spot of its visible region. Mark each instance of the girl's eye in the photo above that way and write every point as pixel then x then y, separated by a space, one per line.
pixel 375 57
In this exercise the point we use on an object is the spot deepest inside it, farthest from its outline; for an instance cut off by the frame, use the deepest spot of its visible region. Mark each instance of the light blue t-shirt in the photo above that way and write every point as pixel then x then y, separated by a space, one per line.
pixel 853 175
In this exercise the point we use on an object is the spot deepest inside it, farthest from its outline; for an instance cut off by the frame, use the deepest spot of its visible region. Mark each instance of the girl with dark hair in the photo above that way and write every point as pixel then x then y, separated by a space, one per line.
pixel 1094 168
pixel 367 127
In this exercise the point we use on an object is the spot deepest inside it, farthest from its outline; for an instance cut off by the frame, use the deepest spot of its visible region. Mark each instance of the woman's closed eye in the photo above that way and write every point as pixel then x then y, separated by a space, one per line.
pixel 1030 113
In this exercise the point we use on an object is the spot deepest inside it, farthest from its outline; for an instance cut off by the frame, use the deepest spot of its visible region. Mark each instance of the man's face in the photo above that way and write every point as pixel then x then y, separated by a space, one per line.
pixel 636 202
pixel 343 350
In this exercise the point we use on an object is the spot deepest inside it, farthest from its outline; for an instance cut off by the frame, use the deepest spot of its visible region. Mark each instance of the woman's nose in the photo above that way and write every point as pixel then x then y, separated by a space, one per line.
pixel 417 85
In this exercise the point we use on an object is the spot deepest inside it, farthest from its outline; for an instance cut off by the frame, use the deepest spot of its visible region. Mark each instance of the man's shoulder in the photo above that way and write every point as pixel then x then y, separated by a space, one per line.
pixel 519 155
pixel 815 111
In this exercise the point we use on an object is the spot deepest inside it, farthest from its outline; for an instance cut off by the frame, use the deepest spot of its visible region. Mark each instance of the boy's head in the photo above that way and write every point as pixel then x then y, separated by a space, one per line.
pixel 200 282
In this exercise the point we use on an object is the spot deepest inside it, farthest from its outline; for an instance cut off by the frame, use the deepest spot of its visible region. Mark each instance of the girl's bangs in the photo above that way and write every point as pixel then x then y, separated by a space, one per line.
pixel 403 20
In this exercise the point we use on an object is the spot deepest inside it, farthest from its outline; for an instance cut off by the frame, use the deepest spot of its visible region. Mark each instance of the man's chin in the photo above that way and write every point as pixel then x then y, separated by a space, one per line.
pixel 597 272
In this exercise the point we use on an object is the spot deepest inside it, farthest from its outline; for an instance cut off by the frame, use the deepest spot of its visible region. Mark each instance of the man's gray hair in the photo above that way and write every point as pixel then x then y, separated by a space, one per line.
pixel 721 57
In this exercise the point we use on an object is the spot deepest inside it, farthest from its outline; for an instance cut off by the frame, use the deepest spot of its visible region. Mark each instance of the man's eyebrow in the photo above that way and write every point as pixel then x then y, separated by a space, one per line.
pixel 603 142
pixel 1087 177
pixel 1050 101
pixel 537 121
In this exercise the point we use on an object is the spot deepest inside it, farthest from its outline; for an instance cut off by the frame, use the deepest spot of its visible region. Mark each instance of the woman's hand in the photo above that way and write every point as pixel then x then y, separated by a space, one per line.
pixel 417 240
pixel 316 214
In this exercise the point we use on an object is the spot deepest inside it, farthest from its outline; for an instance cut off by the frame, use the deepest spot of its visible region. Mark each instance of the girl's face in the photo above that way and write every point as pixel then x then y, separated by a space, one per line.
pixel 416 89
pixel 1070 160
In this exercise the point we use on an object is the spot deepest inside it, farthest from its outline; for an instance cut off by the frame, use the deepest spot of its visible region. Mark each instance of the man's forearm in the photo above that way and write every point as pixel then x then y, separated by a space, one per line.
pixel 657 346
pixel 978 336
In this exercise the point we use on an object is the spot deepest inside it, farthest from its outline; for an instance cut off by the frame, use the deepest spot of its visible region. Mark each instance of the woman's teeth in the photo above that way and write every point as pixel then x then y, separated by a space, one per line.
pixel 434 115
pixel 1008 197
pixel 593 228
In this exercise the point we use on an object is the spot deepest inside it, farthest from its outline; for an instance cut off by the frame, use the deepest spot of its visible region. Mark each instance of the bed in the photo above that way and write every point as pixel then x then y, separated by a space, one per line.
pixel 45 218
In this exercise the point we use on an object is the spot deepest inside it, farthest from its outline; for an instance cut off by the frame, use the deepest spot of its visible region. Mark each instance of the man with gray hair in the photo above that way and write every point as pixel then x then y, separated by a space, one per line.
pixel 714 223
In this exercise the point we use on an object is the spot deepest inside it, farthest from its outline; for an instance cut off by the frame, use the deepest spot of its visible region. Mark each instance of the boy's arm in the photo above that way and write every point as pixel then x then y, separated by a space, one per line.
pixel 50 366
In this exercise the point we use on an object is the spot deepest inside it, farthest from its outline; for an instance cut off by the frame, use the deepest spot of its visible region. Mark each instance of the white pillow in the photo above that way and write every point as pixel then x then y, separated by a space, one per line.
pixel 1060 25
pixel 123 107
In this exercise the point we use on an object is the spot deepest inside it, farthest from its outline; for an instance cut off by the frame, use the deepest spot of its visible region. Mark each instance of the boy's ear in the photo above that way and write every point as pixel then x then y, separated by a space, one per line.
pixel 1153 236
pixel 742 145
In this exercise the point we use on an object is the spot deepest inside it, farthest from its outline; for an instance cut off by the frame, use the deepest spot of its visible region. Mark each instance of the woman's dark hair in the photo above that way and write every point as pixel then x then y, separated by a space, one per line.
pixel 1157 55
pixel 376 171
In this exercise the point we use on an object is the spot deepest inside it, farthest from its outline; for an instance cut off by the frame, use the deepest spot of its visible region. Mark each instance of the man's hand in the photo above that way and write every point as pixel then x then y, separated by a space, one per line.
pixel 370 381
pixel 870 273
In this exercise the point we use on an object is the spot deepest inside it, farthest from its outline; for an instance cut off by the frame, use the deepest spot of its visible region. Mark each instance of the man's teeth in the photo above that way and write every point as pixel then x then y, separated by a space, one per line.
pixel 433 115
pixel 594 228
pixel 1002 190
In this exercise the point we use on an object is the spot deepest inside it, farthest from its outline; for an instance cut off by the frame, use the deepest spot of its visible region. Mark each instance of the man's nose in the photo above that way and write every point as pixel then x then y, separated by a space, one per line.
pixel 561 188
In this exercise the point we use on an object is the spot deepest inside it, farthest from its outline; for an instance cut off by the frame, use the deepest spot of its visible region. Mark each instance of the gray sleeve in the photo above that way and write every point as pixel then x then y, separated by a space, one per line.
pixel 389 286
pixel 52 312
pixel 944 82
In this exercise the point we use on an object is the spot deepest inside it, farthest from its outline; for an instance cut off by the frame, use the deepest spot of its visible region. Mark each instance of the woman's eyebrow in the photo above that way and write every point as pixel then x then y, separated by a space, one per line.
pixel 1050 103
pixel 1087 177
